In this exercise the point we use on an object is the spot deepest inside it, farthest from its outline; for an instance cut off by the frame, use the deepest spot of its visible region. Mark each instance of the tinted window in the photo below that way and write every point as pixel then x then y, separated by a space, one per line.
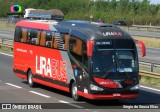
pixel 32 36
pixel 78 50
pixel 17 34
pixel 75 47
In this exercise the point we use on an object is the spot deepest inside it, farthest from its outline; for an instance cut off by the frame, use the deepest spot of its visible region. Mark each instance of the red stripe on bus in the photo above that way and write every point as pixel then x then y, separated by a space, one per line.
pixel 30 24
pixel 51 85
pixel 103 97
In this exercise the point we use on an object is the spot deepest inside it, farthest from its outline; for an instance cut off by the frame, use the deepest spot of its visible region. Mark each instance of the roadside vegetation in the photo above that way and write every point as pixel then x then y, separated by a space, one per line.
pixel 6 26
pixel 139 12
pixel 155 82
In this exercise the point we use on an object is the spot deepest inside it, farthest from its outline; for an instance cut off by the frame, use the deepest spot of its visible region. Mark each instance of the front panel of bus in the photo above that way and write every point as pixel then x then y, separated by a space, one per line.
pixel 114 68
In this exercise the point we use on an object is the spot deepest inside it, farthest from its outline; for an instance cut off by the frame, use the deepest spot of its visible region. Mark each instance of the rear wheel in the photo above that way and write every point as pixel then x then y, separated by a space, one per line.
pixel 30 79
pixel 74 92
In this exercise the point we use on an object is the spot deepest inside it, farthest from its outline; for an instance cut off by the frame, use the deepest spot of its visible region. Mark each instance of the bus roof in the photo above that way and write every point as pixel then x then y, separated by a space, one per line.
pixel 86 29
pixel 94 30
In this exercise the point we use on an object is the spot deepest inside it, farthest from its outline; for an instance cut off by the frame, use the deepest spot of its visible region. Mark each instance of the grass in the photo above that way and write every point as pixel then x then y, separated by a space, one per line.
pixel 7 26
pixel 149 42
pixel 150 81
pixel 6 50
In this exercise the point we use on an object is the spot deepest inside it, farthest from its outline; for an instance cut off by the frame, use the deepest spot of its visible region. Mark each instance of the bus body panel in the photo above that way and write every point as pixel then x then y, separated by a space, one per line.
pixel 57 68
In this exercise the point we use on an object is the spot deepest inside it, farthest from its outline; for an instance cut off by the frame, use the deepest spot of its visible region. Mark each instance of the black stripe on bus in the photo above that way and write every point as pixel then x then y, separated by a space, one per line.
pixel 43 78
pixel 20 72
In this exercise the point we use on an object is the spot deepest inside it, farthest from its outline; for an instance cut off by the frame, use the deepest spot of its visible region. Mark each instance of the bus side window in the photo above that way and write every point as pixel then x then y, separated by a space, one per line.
pixel 55 44
pixel 18 34
pixel 43 38
pixel 77 48
pixel 66 37
pixel 32 36
pixel 24 35
pixel 48 39
pixel 38 37
pixel 84 55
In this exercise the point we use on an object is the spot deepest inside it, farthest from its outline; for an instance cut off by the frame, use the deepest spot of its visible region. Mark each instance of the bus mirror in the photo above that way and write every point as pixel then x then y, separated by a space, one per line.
pixel 89 48
pixel 142 47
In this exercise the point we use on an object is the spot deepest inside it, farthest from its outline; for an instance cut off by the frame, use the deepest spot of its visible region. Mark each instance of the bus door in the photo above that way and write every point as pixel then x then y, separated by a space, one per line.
pixel 78 52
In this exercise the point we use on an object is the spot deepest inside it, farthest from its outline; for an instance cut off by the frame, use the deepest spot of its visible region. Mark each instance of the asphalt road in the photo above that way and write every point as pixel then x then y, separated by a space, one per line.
pixel 152 55
pixel 15 90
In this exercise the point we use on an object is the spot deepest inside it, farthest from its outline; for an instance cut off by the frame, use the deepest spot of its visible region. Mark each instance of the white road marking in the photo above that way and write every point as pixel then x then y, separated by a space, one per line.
pixel 6 54
pixel 150 88
pixel 14 85
pixel 40 94
pixel 61 101
pixel 71 104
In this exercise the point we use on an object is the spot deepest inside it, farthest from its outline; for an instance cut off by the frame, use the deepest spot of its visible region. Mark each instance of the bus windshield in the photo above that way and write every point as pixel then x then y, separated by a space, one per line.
pixel 112 62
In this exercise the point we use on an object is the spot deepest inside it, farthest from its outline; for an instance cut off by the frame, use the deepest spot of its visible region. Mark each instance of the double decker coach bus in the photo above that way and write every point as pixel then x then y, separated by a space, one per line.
pixel 87 59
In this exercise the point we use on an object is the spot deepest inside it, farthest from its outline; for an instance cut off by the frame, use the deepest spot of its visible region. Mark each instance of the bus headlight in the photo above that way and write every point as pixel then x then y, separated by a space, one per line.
pixel 96 88
pixel 135 87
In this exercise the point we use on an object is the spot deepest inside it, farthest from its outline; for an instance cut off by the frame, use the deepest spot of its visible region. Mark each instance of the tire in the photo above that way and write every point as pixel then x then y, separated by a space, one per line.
pixel 30 79
pixel 74 92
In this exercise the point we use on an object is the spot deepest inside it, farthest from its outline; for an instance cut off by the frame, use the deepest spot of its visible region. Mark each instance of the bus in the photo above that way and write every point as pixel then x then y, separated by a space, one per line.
pixel 93 60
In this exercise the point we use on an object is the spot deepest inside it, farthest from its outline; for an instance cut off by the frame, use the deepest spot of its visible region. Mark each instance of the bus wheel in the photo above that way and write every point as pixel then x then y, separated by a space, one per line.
pixel 74 92
pixel 30 79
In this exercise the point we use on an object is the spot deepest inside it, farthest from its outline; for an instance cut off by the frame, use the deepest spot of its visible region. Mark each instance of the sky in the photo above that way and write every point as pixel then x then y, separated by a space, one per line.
pixel 155 1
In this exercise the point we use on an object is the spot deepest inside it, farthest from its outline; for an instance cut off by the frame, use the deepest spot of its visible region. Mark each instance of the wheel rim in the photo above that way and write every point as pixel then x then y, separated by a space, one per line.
pixel 74 91
pixel 30 78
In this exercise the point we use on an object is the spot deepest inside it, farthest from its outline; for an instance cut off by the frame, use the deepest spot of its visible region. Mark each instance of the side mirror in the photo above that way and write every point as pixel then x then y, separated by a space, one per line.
pixel 142 47
pixel 90 45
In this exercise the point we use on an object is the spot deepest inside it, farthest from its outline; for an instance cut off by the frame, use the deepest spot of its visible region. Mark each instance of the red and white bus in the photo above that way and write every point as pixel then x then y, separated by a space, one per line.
pixel 88 59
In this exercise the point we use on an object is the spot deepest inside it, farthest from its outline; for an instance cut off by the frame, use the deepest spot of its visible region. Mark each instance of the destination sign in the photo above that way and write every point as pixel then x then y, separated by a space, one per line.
pixel 104 43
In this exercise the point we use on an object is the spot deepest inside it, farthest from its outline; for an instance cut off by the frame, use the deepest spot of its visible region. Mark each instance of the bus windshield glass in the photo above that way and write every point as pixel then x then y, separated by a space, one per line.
pixel 113 62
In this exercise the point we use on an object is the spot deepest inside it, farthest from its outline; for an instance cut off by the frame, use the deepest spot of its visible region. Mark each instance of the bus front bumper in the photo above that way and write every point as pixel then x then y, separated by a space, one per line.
pixel 104 97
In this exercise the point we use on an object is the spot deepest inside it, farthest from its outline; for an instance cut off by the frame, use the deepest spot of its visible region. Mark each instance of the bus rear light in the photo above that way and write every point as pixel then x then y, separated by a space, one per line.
pixel 90 48
pixel 142 47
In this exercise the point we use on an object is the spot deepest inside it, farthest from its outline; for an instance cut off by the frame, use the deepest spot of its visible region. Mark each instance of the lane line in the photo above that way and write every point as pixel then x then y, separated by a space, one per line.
pixel 40 94
pixel 150 88
pixel 6 54
pixel 71 104
pixel 62 101
pixel 13 85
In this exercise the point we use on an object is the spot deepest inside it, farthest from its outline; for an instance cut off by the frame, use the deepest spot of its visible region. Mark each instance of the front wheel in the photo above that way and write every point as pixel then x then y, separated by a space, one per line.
pixel 74 92
pixel 30 79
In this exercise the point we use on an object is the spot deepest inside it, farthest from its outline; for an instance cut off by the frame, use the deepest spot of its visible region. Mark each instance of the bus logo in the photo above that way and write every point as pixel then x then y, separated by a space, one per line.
pixel 55 69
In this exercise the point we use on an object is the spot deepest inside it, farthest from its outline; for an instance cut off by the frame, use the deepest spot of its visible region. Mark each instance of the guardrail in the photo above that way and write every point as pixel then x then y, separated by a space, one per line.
pixel 6 43
pixel 141 28
pixel 9 43
pixel 3 19
pixel 148 28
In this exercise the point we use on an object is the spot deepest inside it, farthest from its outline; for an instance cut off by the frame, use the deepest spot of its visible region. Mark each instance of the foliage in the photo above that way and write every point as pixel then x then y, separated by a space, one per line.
pixel 131 11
